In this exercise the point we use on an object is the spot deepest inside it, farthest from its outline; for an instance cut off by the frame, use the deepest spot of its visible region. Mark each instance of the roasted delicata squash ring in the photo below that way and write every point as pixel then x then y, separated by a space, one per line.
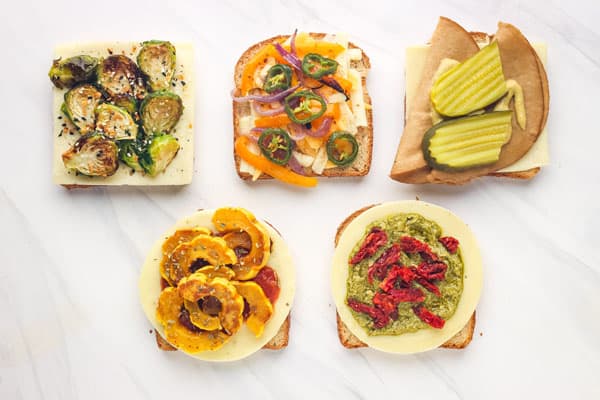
pixel 261 308
pixel 201 319
pixel 198 286
pixel 238 240
pixel 170 304
pixel 212 250
pixel 179 237
pixel 228 220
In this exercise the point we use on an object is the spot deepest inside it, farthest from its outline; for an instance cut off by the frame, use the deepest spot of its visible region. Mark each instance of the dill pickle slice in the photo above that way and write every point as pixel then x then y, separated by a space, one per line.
pixel 471 85
pixel 467 142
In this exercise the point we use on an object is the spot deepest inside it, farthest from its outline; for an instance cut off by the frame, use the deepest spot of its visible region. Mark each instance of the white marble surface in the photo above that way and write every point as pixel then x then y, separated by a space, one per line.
pixel 72 327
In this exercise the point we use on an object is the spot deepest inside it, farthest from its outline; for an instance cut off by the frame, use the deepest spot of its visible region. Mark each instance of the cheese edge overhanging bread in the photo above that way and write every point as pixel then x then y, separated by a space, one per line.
pixel 364 136
pixel 347 339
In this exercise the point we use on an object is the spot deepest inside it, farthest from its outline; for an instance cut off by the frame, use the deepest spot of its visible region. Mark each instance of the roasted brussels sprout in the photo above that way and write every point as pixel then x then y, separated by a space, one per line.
pixel 73 70
pixel 129 153
pixel 115 122
pixel 119 75
pixel 127 102
pixel 92 155
pixel 80 103
pixel 159 154
pixel 156 60
pixel 160 111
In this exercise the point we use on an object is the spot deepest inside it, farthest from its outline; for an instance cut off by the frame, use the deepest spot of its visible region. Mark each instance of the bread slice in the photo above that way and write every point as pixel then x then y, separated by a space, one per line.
pixel 461 44
pixel 350 341
pixel 364 136
pixel 277 342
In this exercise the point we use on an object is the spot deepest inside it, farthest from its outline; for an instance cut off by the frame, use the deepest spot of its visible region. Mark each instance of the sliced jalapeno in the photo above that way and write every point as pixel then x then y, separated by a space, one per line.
pixel 342 148
pixel 276 145
pixel 304 106
pixel 316 66
pixel 279 77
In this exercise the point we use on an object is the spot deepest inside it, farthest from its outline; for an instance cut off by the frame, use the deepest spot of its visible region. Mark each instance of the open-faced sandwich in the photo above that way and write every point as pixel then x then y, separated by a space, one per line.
pixel 123 114
pixel 301 109
pixel 406 278
pixel 219 286
pixel 475 105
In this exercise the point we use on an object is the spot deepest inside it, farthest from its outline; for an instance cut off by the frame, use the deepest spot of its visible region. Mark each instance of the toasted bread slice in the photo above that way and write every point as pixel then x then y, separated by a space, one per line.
pixel 364 136
pixel 350 341
pixel 278 342
pixel 409 165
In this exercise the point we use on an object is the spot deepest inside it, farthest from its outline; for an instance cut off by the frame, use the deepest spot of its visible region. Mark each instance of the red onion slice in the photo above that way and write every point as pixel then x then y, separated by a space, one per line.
pixel 295 166
pixel 322 130
pixel 264 99
pixel 293 60
pixel 267 112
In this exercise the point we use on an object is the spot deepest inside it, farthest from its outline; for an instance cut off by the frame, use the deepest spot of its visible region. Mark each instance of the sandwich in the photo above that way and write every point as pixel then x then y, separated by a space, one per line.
pixel 406 278
pixel 123 114
pixel 301 110
pixel 476 105
pixel 219 286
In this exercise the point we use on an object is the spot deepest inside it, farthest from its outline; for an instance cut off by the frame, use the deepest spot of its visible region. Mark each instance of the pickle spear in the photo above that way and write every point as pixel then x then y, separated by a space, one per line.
pixel 470 85
pixel 462 143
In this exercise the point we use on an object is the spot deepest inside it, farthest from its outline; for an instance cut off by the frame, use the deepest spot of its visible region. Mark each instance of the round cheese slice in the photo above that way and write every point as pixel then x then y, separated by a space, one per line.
pixel 424 339
pixel 243 343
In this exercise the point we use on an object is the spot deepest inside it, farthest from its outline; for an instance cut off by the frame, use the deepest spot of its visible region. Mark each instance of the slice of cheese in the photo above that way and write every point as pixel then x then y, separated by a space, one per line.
pixel 181 169
pixel 538 154
pixel 243 343
pixel 424 339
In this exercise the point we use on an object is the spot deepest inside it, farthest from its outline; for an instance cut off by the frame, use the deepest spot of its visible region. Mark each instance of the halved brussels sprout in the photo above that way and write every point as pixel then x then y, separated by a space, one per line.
pixel 159 154
pixel 127 102
pixel 129 153
pixel 92 155
pixel 115 122
pixel 80 103
pixel 119 75
pixel 160 111
pixel 156 60
pixel 73 70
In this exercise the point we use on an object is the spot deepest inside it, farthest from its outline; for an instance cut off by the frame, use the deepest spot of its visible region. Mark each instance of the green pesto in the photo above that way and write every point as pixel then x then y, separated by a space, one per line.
pixel 396 226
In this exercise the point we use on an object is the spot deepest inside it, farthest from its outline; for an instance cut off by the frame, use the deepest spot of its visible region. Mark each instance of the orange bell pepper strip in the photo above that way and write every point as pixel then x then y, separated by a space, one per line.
pixel 258 61
pixel 276 171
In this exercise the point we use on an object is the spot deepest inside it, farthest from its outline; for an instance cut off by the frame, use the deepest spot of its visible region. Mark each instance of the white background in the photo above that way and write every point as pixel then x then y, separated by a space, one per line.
pixel 71 325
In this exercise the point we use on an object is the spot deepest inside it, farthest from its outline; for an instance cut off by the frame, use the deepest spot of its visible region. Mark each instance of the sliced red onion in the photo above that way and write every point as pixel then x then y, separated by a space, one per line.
pixel 267 112
pixel 293 60
pixel 322 130
pixel 297 132
pixel 295 166
pixel 293 44
pixel 264 99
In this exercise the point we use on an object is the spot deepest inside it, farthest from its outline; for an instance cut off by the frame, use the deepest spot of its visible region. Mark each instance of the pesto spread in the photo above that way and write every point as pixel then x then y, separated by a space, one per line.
pixel 363 284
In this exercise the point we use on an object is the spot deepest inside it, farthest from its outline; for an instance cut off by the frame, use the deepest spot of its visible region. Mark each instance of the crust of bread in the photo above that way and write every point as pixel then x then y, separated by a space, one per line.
pixel 482 37
pixel 350 341
pixel 278 342
pixel 364 136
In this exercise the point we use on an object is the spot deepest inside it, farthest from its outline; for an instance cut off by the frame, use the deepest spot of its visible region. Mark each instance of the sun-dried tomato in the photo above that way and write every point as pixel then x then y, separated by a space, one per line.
pixel 380 319
pixel 428 317
pixel 373 242
pixel 404 295
pixel 406 275
pixel 269 282
pixel 410 245
pixel 380 267
pixel 450 243
pixel 429 286
pixel 387 304
pixel 434 271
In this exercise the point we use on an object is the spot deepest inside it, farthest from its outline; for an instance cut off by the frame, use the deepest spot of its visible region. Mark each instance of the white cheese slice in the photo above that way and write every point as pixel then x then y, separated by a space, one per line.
pixel 538 154
pixel 243 343
pixel 355 54
pixel 303 159
pixel 320 161
pixel 424 339
pixel 181 169
pixel 357 99
pixel 346 121
pixel 247 168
